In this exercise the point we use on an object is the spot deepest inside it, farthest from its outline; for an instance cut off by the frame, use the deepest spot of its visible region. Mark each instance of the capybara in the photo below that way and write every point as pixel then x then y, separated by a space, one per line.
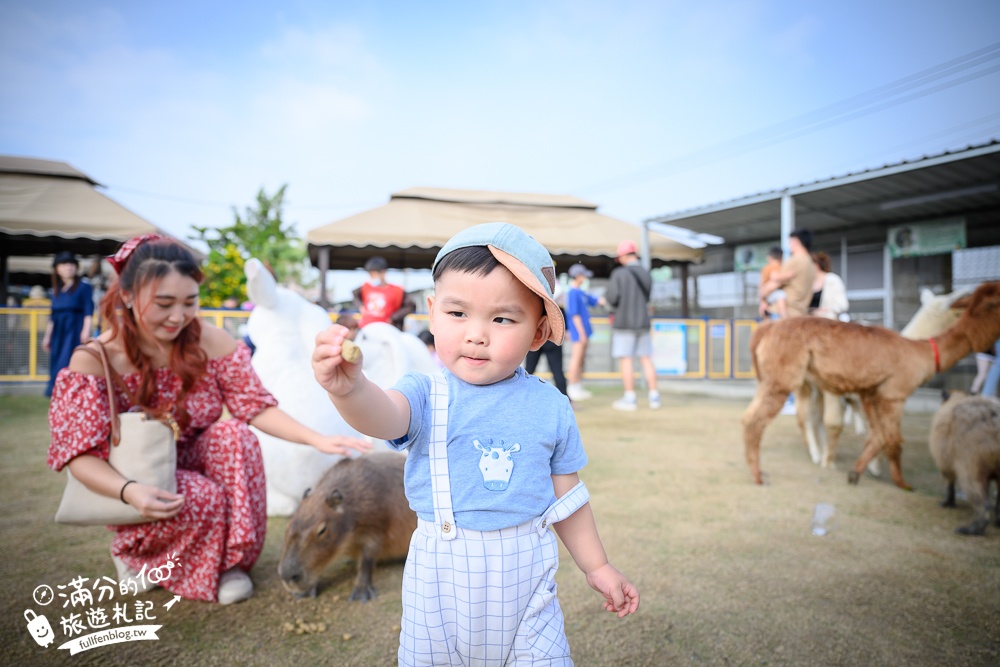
pixel 965 444
pixel 358 509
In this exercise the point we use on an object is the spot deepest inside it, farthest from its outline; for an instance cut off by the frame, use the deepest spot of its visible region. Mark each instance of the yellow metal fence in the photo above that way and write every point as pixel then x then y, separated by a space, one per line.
pixel 682 348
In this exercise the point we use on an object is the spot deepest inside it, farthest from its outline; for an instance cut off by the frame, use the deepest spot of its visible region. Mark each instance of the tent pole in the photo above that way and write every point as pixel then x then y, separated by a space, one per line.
pixel 5 275
pixel 647 261
pixel 324 267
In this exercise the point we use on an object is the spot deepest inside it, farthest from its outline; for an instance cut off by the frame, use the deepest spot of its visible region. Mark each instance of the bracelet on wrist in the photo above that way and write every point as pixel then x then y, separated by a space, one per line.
pixel 121 494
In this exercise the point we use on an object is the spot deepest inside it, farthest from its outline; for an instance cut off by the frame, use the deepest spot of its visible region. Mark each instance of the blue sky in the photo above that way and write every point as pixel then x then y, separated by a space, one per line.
pixel 184 109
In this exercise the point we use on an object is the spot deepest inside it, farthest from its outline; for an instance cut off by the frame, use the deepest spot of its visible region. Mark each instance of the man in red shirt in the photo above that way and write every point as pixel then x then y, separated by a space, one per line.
pixel 379 301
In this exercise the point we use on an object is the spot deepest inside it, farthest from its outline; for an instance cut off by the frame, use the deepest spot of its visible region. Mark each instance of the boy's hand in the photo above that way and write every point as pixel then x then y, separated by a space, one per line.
pixel 619 594
pixel 334 373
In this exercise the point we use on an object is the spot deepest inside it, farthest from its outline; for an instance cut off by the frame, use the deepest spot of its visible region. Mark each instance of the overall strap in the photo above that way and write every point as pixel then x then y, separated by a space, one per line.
pixel 564 506
pixel 444 518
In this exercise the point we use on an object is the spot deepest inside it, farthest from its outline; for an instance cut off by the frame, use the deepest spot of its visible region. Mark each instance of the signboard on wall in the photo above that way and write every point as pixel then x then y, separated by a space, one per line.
pixel 936 237
pixel 670 348
pixel 752 256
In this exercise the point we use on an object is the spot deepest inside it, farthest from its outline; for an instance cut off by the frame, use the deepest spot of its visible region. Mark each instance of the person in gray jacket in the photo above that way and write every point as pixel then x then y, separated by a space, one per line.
pixel 628 295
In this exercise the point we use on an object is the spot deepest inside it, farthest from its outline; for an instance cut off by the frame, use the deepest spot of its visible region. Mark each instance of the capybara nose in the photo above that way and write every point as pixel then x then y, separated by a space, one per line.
pixel 295 578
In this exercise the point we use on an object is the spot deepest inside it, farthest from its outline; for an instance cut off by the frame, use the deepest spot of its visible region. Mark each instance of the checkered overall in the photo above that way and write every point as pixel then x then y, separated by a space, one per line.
pixel 479 598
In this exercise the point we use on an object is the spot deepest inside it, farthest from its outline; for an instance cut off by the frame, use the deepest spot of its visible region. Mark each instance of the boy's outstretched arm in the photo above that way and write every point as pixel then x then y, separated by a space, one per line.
pixel 579 533
pixel 362 403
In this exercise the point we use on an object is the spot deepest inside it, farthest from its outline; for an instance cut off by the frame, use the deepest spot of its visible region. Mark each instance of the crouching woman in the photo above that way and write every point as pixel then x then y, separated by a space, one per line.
pixel 170 362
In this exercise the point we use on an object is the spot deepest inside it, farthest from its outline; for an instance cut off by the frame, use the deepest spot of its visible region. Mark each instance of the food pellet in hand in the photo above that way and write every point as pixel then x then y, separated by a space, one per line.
pixel 349 351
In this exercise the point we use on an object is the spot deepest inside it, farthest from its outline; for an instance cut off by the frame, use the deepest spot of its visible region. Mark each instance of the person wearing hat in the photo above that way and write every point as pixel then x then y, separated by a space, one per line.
pixel 628 293
pixel 494 455
pixel 578 326
pixel 380 301
pixel 37 298
pixel 70 321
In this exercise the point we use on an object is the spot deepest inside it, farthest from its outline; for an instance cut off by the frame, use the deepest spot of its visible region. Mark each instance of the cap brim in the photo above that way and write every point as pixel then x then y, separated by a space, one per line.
pixel 557 326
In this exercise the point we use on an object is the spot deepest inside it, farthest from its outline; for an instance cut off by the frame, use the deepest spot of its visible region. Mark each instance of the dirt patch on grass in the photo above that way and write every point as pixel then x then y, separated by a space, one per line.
pixel 729 573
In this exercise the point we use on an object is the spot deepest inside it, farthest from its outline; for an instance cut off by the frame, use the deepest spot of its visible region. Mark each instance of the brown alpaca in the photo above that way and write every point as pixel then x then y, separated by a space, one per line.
pixel 821 419
pixel 879 365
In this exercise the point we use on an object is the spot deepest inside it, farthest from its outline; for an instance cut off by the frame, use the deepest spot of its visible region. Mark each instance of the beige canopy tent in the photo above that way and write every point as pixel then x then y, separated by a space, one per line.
pixel 48 206
pixel 412 227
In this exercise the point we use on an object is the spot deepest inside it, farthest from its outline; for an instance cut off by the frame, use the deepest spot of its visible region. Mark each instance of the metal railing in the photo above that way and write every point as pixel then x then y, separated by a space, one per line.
pixel 682 348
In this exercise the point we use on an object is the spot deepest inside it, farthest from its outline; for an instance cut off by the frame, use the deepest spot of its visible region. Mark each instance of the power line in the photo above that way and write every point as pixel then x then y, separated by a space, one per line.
pixel 851 108
pixel 289 206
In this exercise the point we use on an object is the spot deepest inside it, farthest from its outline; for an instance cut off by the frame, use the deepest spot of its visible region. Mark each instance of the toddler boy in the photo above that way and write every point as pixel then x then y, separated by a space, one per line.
pixel 493 461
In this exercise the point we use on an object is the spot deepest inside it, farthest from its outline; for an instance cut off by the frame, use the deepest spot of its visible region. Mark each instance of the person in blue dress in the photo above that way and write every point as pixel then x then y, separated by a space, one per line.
pixel 69 323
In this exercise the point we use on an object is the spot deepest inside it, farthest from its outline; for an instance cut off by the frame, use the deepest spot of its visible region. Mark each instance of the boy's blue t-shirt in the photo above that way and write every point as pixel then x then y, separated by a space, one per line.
pixel 526 432
pixel 577 302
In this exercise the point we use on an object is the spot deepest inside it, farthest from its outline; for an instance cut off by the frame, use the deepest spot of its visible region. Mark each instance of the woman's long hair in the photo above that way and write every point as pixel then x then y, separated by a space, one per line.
pixel 147 265
pixel 57 281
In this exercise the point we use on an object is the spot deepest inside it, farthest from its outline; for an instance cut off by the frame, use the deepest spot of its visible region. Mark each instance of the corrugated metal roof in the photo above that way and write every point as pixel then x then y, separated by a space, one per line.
pixel 961 182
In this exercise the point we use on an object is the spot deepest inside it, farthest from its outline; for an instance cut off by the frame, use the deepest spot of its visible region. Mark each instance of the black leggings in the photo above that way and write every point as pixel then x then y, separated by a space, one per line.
pixel 553 357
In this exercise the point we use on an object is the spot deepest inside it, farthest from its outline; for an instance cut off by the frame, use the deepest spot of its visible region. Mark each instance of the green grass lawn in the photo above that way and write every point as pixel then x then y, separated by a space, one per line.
pixel 729 573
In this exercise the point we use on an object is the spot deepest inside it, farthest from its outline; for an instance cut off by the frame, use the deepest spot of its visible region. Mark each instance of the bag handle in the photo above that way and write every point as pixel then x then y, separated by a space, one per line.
pixel 112 378
pixel 101 354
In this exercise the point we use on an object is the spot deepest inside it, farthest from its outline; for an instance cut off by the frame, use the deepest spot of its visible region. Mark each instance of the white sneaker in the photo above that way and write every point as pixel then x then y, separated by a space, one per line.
pixel 654 402
pixel 234 586
pixel 578 393
pixel 130 577
pixel 624 404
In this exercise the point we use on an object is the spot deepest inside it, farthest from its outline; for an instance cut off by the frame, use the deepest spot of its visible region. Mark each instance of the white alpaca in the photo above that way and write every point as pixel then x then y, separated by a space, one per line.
pixel 283 327
pixel 822 417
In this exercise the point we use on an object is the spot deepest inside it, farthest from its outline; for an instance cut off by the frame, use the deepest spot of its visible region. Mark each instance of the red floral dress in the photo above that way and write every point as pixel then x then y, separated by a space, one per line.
pixel 220 471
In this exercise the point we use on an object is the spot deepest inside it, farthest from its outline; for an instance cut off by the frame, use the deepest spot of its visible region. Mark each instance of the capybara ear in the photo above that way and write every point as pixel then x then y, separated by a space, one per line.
pixel 334 499
pixel 945 394
pixel 305 494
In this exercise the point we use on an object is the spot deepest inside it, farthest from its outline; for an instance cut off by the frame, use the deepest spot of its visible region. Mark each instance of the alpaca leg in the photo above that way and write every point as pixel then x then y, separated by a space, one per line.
pixel 890 414
pixel 833 424
pixel 996 510
pixel 763 408
pixel 855 414
pixel 808 405
pixel 873 445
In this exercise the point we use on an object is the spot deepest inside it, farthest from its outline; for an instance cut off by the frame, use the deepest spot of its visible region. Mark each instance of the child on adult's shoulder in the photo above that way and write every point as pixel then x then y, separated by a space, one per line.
pixel 506 453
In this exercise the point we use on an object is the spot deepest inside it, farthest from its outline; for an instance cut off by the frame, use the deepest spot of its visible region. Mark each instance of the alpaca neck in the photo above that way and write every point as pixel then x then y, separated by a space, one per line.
pixel 954 345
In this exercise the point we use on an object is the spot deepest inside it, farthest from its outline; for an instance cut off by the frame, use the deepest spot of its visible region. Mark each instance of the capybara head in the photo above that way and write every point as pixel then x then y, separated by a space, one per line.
pixel 314 536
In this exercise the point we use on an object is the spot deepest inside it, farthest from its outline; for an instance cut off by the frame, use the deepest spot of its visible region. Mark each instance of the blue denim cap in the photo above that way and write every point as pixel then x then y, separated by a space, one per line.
pixel 523 256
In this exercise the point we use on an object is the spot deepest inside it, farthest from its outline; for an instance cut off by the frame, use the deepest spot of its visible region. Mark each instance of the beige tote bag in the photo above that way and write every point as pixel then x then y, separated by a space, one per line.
pixel 142 448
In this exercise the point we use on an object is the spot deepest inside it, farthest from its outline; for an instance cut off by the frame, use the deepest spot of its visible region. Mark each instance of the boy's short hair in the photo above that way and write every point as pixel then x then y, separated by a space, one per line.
pixel 520 254
pixel 776 253
pixel 475 259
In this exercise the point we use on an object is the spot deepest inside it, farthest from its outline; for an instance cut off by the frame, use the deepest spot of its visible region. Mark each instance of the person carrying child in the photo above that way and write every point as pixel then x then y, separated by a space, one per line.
pixel 494 455
pixel 772 297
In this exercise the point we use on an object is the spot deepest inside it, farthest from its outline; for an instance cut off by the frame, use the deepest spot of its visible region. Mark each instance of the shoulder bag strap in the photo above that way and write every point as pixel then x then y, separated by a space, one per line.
pixel 103 356
pixel 635 276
